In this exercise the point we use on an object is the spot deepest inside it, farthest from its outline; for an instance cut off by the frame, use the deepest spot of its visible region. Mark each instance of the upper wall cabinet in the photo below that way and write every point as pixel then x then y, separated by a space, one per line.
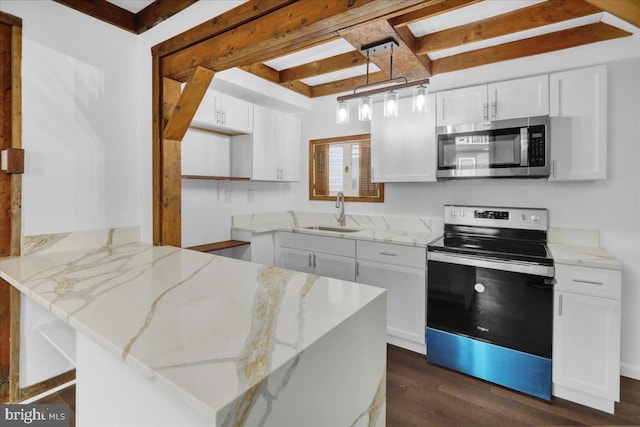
pixel 510 99
pixel 578 110
pixel 274 146
pixel 403 148
pixel 224 113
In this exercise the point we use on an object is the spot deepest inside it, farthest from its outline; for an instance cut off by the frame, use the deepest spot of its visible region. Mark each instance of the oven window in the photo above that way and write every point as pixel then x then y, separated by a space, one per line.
pixel 513 310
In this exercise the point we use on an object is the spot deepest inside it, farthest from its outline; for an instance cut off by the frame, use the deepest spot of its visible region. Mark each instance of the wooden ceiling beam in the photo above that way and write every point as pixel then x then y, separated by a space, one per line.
pixel 432 9
pixel 345 85
pixel 292 26
pixel 273 76
pixel 546 13
pixel 558 40
pixel 158 11
pixel 323 66
pixel 104 11
pixel 405 61
pixel 627 10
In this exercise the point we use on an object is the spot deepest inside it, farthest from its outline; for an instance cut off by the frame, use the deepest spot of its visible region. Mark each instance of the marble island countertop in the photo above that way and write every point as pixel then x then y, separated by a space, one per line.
pixel 207 328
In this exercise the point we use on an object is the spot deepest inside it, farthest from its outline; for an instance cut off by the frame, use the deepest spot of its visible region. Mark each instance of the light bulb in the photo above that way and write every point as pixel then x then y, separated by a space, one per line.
pixel 342 112
pixel 391 100
pixel 420 99
pixel 364 109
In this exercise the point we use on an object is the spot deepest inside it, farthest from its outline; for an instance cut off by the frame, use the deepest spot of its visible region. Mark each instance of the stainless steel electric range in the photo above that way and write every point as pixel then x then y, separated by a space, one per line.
pixel 490 296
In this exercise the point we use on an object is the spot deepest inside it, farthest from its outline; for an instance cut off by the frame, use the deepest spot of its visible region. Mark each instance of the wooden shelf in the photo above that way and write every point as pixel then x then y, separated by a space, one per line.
pixel 216 246
pixel 216 178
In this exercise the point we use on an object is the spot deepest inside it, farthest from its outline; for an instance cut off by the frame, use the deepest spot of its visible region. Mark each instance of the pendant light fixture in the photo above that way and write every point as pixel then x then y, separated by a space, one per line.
pixel 391 98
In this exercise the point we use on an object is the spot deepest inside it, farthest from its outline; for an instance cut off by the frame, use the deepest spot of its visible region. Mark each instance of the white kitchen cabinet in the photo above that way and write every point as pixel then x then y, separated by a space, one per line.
pixel 586 336
pixel 403 148
pixel 578 110
pixel 321 255
pixel 275 145
pixel 401 271
pixel 511 99
pixel 223 113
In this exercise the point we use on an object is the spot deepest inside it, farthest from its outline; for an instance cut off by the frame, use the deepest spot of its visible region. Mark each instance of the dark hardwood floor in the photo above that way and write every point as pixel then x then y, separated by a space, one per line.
pixel 423 395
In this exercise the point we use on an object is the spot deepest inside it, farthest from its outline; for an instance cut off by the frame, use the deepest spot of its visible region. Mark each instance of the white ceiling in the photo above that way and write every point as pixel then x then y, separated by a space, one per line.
pixel 134 6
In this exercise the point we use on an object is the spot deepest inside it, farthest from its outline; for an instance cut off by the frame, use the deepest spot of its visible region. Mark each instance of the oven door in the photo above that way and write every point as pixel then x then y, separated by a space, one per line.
pixel 477 299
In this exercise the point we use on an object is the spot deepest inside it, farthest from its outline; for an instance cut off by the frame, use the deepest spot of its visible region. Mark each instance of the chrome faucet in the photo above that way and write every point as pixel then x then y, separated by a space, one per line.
pixel 340 204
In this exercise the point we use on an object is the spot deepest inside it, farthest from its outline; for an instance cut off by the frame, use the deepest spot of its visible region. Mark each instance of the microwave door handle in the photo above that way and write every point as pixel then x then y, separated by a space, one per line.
pixel 524 146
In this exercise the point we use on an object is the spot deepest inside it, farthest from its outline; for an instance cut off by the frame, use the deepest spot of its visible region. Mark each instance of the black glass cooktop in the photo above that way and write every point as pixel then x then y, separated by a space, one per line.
pixel 491 247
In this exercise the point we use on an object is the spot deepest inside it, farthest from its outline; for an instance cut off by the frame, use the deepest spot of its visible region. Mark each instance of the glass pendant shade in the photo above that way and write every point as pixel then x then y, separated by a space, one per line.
pixel 342 112
pixel 365 106
pixel 420 99
pixel 391 101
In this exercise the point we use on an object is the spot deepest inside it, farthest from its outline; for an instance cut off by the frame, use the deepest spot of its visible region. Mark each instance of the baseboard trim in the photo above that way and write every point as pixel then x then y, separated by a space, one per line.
pixel 630 371
pixel 407 344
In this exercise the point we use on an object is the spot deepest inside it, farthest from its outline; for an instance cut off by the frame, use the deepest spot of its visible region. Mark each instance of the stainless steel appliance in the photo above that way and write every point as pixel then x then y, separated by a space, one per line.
pixel 505 148
pixel 490 297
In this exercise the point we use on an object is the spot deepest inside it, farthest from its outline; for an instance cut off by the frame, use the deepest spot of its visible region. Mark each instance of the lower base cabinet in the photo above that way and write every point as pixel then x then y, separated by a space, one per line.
pixel 586 337
pixel 401 271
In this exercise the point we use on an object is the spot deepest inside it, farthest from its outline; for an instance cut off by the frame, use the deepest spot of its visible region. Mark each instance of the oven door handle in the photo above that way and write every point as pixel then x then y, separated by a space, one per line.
pixel 503 265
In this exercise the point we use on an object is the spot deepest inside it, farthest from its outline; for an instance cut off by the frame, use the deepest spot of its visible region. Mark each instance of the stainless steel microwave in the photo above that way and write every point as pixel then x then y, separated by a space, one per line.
pixel 499 149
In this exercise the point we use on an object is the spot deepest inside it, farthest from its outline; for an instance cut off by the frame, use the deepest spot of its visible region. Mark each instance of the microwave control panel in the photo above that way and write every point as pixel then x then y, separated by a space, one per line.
pixel 537 155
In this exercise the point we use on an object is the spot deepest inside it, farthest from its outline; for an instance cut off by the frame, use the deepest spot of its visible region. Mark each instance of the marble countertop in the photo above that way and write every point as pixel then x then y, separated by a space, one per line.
pixel 207 328
pixel 410 231
pixel 585 256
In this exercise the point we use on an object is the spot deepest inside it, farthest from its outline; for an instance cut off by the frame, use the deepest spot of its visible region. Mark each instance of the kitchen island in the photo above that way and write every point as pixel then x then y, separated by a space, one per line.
pixel 167 336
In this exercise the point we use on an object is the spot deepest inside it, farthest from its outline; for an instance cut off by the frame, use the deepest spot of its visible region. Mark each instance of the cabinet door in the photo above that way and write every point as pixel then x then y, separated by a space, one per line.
pixel 405 296
pixel 296 259
pixel 403 148
pixel 236 114
pixel 586 344
pixel 337 267
pixel 288 139
pixel 513 99
pixel 466 105
pixel 264 147
pixel 206 115
pixel 578 110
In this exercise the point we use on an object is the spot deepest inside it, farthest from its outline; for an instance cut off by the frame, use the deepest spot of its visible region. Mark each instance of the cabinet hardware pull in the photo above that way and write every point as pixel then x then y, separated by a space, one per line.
pixel 560 305
pixel 218 121
pixel 494 109
pixel 486 111
pixel 310 261
pixel 315 265
pixel 553 168
pixel 357 269
pixel 224 117
pixel 588 282
pixel 388 254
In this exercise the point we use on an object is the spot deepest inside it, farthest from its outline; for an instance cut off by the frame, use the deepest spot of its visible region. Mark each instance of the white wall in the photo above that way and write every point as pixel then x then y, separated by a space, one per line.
pixel 611 206
pixel 79 79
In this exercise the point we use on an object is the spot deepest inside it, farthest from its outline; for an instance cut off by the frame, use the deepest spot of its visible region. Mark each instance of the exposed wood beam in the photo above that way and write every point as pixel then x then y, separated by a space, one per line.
pixel 559 40
pixel 345 85
pixel 158 11
pixel 432 9
pixel 323 66
pixel 185 107
pixel 273 76
pixel 405 62
pixel 534 16
pixel 627 10
pixel 171 90
pixel 294 25
pixel 104 11
pixel 407 36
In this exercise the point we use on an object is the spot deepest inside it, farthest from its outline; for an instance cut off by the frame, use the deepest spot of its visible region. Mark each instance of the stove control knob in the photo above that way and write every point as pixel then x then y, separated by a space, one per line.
pixel 535 217
pixel 454 213
pixel 461 213
pixel 523 217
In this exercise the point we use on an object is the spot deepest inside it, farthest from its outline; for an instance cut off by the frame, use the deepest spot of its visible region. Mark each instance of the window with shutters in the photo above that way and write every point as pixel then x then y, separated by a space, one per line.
pixel 342 164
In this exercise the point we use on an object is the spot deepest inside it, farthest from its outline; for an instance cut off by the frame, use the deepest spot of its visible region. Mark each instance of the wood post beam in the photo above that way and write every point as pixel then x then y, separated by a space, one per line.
pixel 264 71
pixel 627 10
pixel 345 85
pixel 431 9
pixel 323 66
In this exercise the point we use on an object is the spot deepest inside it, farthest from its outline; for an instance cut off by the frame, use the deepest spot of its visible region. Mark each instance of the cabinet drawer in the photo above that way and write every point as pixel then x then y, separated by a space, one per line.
pixel 387 253
pixel 323 244
pixel 588 281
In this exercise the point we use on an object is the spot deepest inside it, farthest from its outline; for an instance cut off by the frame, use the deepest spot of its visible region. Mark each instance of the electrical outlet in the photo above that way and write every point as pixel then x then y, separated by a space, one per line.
pixel 250 196
pixel 227 195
